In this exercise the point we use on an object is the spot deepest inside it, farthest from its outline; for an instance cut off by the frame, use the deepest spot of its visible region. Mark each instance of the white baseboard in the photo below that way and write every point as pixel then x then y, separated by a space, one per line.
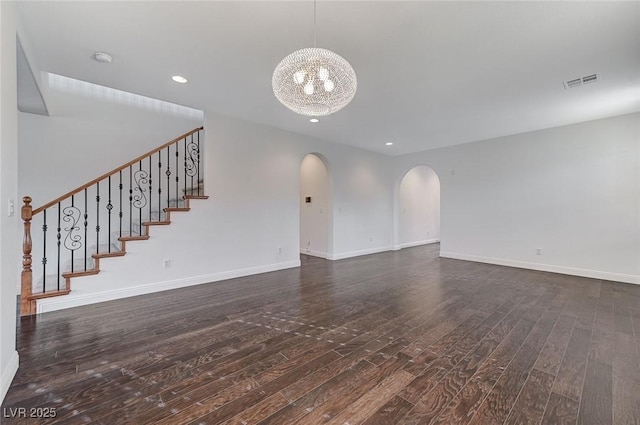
pixel 418 243
pixel 8 373
pixel 313 253
pixel 79 299
pixel 358 253
pixel 594 274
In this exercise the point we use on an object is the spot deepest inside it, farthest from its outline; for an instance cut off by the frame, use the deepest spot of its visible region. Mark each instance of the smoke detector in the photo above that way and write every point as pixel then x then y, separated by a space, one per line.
pixel 577 82
pixel 102 57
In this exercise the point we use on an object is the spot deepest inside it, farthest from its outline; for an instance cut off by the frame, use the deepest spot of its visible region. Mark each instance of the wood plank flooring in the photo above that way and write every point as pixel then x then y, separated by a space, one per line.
pixel 394 338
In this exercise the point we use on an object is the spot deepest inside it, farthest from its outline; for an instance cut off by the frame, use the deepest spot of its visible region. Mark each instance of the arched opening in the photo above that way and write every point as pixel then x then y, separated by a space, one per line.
pixel 418 199
pixel 315 207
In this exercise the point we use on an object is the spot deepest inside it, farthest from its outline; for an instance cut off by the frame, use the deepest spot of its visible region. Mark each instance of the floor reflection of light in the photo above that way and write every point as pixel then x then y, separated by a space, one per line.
pixel 83 88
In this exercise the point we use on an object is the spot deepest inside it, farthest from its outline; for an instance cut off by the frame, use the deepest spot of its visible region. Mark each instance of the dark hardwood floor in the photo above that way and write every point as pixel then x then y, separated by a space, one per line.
pixel 392 338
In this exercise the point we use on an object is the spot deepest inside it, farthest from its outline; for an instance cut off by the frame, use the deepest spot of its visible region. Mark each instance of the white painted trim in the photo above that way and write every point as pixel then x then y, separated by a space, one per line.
pixel 68 301
pixel 358 253
pixel 594 274
pixel 314 253
pixel 8 373
pixel 418 243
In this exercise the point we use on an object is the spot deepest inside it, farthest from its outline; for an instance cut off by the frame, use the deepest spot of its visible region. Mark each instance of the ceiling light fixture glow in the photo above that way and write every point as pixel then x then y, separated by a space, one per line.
pixel 314 120
pixel 179 79
pixel 388 144
pixel 313 81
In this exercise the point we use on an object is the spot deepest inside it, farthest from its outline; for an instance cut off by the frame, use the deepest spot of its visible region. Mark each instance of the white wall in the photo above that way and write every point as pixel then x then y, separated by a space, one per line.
pixel 419 206
pixel 251 223
pixel 10 246
pixel 572 191
pixel 314 216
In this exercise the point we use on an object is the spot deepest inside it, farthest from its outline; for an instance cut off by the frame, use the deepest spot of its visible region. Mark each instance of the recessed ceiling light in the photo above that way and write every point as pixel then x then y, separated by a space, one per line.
pixel 314 120
pixel 102 57
pixel 179 79
pixel 388 144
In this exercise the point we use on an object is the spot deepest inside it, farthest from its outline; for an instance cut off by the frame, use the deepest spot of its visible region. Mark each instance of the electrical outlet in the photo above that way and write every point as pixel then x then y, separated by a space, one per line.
pixel 166 264
pixel 538 251
pixel 11 208
pixel 280 250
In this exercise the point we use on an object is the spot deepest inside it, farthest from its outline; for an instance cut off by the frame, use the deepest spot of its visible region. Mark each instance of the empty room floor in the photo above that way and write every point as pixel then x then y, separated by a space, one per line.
pixel 393 338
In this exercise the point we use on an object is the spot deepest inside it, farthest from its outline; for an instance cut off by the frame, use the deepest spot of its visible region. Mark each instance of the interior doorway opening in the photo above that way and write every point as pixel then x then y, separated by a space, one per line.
pixel 419 207
pixel 315 207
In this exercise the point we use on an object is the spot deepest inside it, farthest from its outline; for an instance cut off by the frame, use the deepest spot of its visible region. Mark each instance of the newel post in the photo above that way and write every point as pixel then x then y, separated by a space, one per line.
pixel 26 304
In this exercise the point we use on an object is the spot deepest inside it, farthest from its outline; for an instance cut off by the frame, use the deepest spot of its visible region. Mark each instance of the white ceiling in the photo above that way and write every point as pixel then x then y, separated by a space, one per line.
pixel 430 74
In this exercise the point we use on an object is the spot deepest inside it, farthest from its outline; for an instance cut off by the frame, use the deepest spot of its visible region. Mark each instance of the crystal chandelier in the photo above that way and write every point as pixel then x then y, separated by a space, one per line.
pixel 314 81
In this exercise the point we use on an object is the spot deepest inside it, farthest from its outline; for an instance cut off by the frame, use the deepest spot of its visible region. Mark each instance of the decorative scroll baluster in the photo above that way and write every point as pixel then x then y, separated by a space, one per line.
pixel 192 169
pixel 86 225
pixel 26 277
pixel 191 165
pixel 58 236
pixel 97 217
pixel 70 229
pixel 168 173
pixel 109 208
pixel 184 145
pixel 140 199
pixel 120 213
pixel 72 240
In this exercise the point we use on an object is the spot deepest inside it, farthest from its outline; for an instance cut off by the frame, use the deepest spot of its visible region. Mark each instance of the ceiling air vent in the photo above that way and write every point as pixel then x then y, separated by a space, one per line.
pixel 573 83
pixel 577 82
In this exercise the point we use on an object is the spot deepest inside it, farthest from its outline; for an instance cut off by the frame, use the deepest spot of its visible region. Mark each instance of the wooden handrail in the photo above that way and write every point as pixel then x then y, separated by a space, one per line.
pixel 105 175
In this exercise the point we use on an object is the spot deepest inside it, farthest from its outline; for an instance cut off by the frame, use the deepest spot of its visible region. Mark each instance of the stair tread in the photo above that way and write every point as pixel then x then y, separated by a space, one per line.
pixel 49 294
pixel 80 273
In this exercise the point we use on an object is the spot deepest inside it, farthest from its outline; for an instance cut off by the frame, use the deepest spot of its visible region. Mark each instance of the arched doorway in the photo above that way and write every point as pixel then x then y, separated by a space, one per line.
pixel 418 198
pixel 316 210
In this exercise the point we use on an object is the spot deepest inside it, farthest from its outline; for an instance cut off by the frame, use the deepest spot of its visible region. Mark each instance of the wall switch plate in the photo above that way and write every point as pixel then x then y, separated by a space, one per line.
pixel 538 251
pixel 166 264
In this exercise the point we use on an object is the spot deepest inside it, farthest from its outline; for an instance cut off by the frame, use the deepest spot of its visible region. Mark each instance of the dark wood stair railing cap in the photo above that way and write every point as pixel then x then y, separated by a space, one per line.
pixel 122 167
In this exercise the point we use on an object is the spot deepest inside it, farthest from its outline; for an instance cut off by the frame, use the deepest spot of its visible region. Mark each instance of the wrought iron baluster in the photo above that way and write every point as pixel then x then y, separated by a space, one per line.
pixel 72 240
pixel 44 255
pixel 184 144
pixel 159 181
pixel 120 213
pixel 97 217
pixel 177 175
pixel 109 208
pixel 168 173
pixel 86 223
pixel 140 178
pixel 71 228
pixel 150 188
pixel 58 236
pixel 193 163
pixel 198 155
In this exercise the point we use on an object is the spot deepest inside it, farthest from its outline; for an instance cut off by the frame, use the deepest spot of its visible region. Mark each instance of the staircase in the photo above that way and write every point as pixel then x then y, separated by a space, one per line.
pixel 75 231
